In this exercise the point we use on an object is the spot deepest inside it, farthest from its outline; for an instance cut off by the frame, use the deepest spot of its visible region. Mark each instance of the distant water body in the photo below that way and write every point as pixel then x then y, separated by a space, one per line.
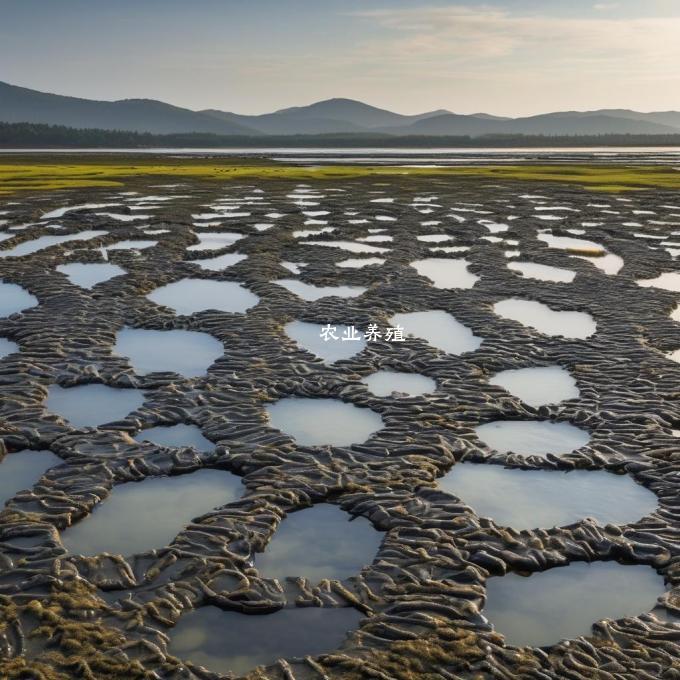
pixel 410 157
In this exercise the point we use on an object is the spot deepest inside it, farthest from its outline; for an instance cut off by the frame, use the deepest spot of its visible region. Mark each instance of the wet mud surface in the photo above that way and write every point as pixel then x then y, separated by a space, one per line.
pixel 422 597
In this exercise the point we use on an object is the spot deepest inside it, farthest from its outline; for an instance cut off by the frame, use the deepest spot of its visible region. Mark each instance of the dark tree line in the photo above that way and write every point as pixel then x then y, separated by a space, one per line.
pixel 33 135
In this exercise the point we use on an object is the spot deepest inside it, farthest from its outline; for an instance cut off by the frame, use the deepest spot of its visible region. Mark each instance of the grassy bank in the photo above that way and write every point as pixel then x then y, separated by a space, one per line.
pixel 47 174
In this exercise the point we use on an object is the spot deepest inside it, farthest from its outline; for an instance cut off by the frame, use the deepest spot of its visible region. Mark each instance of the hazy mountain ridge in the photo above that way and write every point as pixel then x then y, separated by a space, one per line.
pixel 332 116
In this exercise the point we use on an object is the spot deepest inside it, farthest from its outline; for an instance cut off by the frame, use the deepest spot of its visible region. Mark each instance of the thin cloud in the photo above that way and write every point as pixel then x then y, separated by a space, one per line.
pixel 478 35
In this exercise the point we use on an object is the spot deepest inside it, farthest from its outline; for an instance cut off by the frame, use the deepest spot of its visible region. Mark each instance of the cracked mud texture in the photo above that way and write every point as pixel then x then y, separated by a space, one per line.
pixel 65 616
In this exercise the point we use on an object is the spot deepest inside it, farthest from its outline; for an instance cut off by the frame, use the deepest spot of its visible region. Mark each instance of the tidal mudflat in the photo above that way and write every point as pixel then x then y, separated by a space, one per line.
pixel 194 476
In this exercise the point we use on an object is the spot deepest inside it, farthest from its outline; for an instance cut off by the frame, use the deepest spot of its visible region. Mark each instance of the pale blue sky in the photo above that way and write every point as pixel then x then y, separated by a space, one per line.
pixel 512 57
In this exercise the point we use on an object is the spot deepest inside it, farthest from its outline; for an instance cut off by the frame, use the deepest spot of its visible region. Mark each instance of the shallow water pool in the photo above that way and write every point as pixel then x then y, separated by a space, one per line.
pixel 320 422
pixel 545 320
pixel 308 336
pixel 93 404
pixel 189 296
pixel 88 275
pixel 228 641
pixel 140 516
pixel 446 273
pixel 532 437
pixel 527 499
pixel 439 329
pixel 318 543
pixel 538 385
pixel 21 470
pixel 564 602
pixel 179 435
pixel 387 383
pixel 189 353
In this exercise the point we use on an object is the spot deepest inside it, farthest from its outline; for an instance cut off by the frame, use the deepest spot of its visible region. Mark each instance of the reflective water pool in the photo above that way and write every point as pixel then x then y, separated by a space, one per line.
pixel 542 272
pixel 446 273
pixel 545 320
pixel 434 238
pixel 351 246
pixel 564 602
pixel 309 292
pixel 532 437
pixel 189 353
pixel 570 243
pixel 386 383
pixel 317 422
pixel 21 470
pixel 527 499
pixel 93 404
pixel 220 262
pixel 439 329
pixel 42 242
pixel 319 543
pixel 228 641
pixel 60 212
pixel 140 516
pixel 7 347
pixel 88 275
pixel 215 240
pixel 667 281
pixel 609 263
pixel 539 385
pixel 593 252
pixel 132 244
pixel 358 263
pixel 308 336
pixel 188 296
pixel 14 299
pixel 179 435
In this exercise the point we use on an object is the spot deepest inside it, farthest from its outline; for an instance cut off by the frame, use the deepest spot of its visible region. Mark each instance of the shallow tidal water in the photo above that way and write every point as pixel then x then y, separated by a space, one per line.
pixel 542 272
pixel 446 273
pixel 7 347
pixel 92 405
pixel 179 435
pixel 189 353
pixel 667 281
pixel 320 422
pixel 564 602
pixel 532 437
pixel 306 291
pixel 189 296
pixel 215 240
pixel 439 329
pixel 42 242
pixel 21 470
pixel 220 262
pixel 529 499
pixel 538 386
pixel 545 320
pixel 140 516
pixel 308 337
pixel 387 383
pixel 319 543
pixel 88 275
pixel 227 641
pixel 15 299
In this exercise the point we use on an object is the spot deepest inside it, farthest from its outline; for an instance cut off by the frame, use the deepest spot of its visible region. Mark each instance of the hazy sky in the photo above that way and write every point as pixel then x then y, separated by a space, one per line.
pixel 511 57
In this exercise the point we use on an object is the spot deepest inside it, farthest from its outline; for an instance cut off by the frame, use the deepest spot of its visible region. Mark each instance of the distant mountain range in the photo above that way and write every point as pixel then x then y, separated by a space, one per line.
pixel 333 116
